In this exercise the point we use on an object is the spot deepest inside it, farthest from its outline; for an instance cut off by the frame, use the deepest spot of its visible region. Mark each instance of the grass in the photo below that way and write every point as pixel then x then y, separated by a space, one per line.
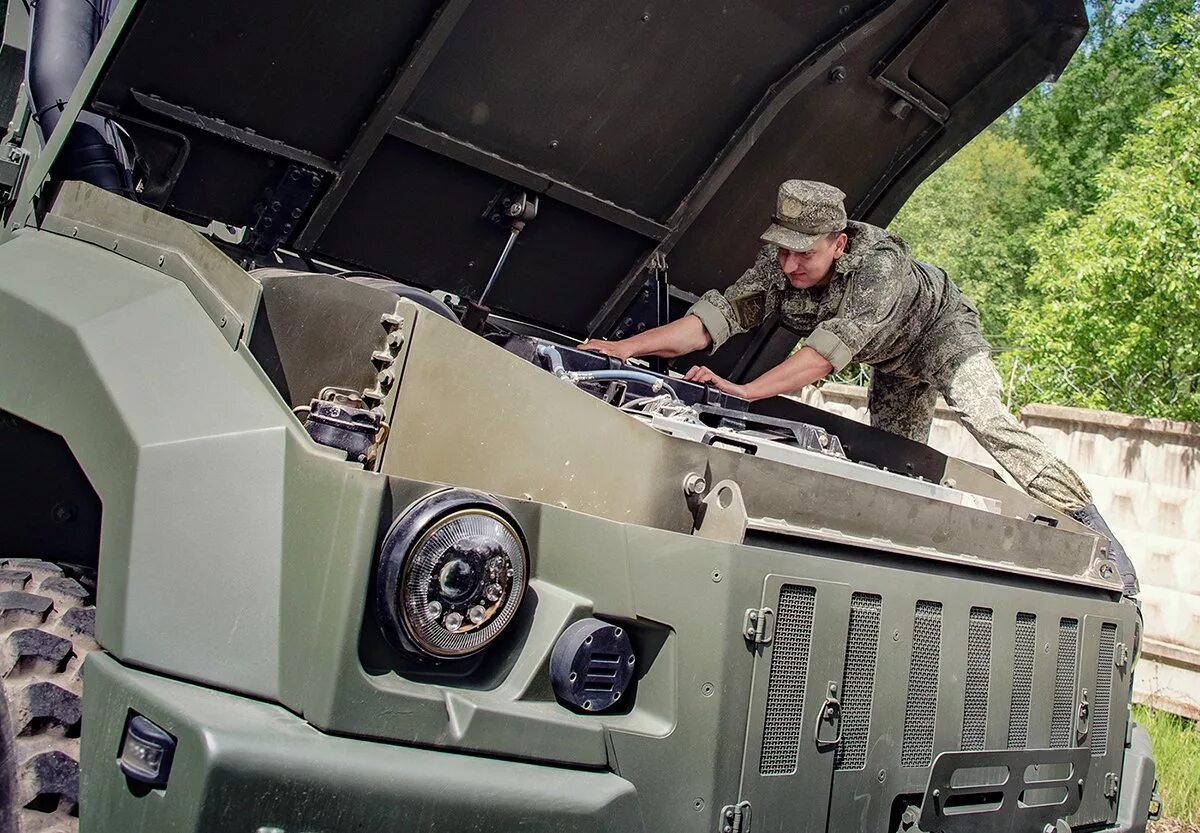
pixel 1177 754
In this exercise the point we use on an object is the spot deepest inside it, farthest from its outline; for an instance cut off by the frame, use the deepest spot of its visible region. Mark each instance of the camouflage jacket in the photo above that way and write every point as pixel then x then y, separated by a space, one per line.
pixel 881 307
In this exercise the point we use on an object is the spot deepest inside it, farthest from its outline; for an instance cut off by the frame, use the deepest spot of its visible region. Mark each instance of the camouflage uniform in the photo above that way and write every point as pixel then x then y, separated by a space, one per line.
pixel 918 332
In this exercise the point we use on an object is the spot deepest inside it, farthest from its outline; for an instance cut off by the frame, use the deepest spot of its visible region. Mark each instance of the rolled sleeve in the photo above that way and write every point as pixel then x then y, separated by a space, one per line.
pixel 714 320
pixel 835 351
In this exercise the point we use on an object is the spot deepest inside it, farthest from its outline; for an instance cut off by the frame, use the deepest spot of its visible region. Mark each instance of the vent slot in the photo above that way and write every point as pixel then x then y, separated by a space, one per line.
pixel 1062 715
pixel 858 681
pixel 1024 643
pixel 979 675
pixel 789 676
pixel 920 709
pixel 1104 681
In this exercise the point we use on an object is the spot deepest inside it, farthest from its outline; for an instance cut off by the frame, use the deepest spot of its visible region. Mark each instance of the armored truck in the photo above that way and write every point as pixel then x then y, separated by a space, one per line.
pixel 300 455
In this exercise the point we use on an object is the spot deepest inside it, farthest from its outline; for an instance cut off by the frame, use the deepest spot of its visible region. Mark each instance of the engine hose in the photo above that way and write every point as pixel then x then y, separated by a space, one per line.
pixel 62 36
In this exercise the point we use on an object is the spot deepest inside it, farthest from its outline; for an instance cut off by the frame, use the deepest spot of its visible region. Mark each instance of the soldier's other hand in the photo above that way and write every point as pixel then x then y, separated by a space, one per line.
pixel 616 349
pixel 703 376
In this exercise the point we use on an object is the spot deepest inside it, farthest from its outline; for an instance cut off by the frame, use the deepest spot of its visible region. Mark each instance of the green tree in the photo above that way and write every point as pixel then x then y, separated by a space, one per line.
pixel 1118 326
pixel 973 218
pixel 1072 128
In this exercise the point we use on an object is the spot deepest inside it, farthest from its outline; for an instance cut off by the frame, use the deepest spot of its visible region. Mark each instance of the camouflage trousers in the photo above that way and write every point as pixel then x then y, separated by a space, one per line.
pixel 972 388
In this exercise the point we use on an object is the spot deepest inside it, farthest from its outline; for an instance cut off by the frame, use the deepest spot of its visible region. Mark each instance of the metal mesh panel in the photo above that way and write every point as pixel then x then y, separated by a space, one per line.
pixel 858 681
pixel 1062 714
pixel 789 675
pixel 1104 681
pixel 920 709
pixel 1018 720
pixel 979 673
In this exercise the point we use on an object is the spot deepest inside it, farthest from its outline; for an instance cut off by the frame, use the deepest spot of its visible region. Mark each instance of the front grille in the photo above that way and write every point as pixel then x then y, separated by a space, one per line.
pixel 1022 686
pixel 1104 680
pixel 1063 711
pixel 858 681
pixel 920 708
pixel 979 672
pixel 789 676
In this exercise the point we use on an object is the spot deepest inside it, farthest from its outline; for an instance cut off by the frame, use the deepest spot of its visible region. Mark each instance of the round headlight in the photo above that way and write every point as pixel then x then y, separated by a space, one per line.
pixel 452 573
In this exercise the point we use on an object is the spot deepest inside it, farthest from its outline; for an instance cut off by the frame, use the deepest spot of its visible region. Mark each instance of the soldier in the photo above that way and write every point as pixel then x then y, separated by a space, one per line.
pixel 854 293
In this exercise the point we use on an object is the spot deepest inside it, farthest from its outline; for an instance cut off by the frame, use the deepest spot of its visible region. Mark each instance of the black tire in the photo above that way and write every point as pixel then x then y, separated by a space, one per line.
pixel 47 626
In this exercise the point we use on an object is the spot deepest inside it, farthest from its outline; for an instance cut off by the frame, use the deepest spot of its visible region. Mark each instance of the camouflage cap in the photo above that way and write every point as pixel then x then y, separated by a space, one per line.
pixel 805 211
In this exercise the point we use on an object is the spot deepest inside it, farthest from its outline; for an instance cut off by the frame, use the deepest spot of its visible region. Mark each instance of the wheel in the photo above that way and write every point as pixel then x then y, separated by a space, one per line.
pixel 47 626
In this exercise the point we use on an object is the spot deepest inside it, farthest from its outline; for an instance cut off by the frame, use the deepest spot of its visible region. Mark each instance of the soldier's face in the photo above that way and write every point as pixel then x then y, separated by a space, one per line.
pixel 805 270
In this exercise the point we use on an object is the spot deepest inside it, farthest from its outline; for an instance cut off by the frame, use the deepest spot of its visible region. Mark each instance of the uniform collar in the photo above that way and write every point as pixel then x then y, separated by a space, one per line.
pixel 856 248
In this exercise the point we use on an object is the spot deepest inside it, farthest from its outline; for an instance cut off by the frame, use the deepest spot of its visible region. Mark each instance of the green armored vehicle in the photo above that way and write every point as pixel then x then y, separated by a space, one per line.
pixel 288 300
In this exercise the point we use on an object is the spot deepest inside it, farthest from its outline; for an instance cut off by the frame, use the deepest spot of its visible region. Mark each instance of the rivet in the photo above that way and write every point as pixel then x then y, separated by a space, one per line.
pixel 716 575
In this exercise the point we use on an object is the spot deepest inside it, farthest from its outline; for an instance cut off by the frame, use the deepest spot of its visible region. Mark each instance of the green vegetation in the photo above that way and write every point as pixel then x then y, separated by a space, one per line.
pixel 1177 755
pixel 1074 221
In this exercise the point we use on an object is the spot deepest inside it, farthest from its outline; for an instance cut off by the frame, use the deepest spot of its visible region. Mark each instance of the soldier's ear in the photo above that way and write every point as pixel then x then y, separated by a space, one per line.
pixel 839 245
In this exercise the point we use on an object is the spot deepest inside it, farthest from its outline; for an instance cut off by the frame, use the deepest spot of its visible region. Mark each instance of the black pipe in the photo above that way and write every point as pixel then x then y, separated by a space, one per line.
pixel 63 34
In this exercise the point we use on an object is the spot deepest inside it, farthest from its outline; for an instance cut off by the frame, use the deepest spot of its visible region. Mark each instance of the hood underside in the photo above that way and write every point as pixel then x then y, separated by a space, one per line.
pixel 644 126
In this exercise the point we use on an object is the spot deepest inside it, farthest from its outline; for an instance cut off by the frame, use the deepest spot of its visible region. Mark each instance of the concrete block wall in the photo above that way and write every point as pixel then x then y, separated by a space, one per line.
pixel 1145 477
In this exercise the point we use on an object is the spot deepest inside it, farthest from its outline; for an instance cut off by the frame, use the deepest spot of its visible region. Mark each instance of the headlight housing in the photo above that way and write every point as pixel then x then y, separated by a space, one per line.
pixel 452 573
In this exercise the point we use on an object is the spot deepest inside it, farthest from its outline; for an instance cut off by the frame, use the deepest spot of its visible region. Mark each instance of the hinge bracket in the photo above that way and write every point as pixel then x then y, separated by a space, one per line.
pixel 735 818
pixel 12 171
pixel 758 625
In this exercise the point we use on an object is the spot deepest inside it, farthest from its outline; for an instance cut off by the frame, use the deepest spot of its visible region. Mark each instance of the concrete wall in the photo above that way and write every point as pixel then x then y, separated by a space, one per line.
pixel 1145 476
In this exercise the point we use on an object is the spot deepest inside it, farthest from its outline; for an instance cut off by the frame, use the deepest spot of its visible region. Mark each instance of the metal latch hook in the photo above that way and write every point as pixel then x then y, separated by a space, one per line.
pixel 830 714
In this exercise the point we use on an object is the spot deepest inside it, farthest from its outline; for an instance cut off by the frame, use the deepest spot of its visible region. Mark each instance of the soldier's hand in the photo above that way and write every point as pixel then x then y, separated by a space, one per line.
pixel 703 376
pixel 616 349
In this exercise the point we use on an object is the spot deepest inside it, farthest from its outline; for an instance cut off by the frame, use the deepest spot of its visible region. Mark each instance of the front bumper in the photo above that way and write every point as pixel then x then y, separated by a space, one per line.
pixel 245 765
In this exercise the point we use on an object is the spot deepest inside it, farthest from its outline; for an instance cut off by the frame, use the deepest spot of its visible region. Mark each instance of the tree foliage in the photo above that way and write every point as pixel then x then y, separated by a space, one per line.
pixel 973 218
pixel 1118 322
pixel 1072 128
pixel 1074 220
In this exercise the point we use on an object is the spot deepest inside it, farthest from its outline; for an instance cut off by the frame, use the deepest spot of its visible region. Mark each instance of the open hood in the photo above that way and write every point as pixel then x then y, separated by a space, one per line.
pixel 377 135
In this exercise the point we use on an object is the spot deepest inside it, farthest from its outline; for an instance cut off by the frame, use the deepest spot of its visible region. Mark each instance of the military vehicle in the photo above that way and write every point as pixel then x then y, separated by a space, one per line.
pixel 289 295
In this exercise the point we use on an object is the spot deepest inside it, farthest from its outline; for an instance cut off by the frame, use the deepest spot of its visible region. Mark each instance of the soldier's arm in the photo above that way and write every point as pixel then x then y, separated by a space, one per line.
pixel 802 368
pixel 709 323
pixel 686 335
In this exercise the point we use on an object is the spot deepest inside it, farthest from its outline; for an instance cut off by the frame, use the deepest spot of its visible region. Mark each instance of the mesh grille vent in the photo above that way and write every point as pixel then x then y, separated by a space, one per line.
pixel 1018 721
pixel 858 681
pixel 1063 713
pixel 979 673
pixel 1104 681
pixel 789 674
pixel 920 710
